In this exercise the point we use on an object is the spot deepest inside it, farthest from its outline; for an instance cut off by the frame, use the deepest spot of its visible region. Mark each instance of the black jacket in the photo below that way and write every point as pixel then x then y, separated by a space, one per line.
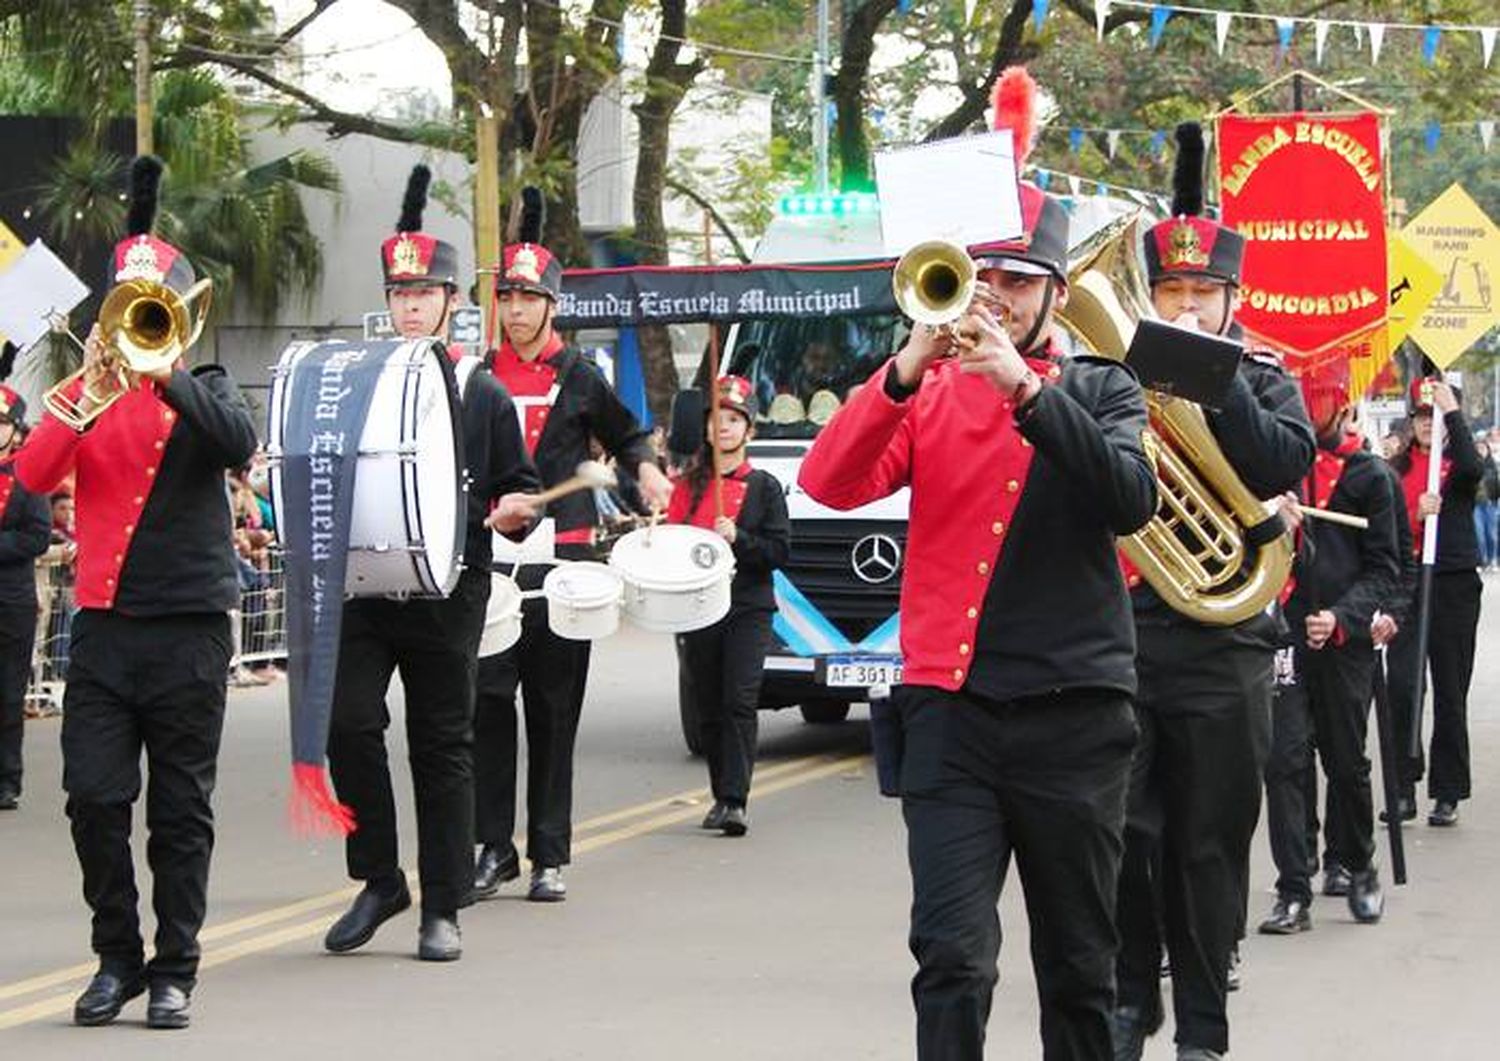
pixel 495 458
pixel 1399 602
pixel 1264 432
pixel 25 531
pixel 1457 546
pixel 586 407
pixel 1348 571
pixel 762 540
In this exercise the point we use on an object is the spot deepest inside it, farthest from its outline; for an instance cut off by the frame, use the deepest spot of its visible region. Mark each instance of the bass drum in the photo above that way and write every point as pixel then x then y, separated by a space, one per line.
pixel 677 578
pixel 407 522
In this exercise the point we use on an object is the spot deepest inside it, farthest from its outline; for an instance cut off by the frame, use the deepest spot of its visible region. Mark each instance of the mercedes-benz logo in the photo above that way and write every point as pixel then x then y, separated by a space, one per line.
pixel 875 558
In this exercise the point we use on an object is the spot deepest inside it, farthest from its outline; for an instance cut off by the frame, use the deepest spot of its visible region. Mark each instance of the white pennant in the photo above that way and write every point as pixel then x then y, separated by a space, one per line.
pixel 1074 184
pixel 1221 28
pixel 1487 43
pixel 1101 12
pixel 1377 38
pixel 1487 132
pixel 1112 142
pixel 968 11
pixel 1359 35
pixel 1320 38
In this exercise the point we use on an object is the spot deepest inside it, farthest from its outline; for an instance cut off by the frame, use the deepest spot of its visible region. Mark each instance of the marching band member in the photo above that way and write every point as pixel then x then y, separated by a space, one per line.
pixel 726 660
pixel 25 533
pixel 1015 712
pixel 1342 575
pixel 1456 587
pixel 1205 691
pixel 434 643
pixel 149 657
pixel 563 400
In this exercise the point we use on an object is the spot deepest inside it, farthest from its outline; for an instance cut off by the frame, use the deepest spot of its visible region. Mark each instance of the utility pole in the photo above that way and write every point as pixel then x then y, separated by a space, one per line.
pixel 820 99
pixel 143 139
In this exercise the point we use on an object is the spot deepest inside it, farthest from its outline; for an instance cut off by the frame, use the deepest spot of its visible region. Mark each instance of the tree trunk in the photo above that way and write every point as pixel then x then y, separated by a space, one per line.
pixel 849 93
pixel 666 82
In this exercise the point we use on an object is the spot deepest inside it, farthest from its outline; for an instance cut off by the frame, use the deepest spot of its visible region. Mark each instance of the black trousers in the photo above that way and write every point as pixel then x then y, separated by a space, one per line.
pixel 156 684
pixel 727 662
pixel 551 673
pixel 433 643
pixel 1450 655
pixel 17 639
pixel 1043 779
pixel 1327 710
pixel 1204 713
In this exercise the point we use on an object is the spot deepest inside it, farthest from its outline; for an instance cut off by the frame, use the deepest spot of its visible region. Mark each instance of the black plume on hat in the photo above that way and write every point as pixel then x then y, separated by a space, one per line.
pixel 532 211
pixel 145 181
pixel 1187 176
pixel 415 201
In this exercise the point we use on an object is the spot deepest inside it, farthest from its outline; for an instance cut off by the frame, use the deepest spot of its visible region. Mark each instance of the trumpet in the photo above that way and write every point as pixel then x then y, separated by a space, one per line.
pixel 936 283
pixel 147 326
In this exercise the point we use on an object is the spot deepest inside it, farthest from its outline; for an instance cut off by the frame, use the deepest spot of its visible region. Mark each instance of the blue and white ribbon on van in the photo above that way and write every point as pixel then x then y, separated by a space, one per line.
pixel 808 632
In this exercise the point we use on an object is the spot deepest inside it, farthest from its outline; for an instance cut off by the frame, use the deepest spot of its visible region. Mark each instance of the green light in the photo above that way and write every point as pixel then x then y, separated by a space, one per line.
pixel 805 204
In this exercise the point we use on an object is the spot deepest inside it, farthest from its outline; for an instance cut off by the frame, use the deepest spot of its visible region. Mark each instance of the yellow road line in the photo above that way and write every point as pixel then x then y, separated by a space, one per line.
pixel 770 780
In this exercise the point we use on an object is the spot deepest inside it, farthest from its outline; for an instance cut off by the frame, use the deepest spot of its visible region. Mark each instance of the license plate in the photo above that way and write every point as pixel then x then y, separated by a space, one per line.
pixel 859 672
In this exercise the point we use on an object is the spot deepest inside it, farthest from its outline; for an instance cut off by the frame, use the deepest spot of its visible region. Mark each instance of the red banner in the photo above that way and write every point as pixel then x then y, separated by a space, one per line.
pixel 1307 193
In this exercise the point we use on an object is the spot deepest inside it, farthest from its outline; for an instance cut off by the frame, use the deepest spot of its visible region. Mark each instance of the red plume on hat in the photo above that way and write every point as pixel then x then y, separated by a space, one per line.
pixel 1013 102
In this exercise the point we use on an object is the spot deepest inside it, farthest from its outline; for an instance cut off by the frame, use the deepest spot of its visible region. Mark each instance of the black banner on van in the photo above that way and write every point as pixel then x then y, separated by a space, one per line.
pixel 605 298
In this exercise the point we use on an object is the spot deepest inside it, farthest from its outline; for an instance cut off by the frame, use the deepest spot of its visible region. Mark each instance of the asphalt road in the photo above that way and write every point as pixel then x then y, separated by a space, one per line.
pixel 675 944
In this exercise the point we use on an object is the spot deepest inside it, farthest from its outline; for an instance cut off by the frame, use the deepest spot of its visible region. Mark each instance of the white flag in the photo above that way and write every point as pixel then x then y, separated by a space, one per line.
pixel 1487 132
pixel 1112 142
pixel 1487 44
pixel 968 11
pixel 1074 184
pixel 1221 28
pixel 1320 38
pixel 1377 38
pixel 1101 12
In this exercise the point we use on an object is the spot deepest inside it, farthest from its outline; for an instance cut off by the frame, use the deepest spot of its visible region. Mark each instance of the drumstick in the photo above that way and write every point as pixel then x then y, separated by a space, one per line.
pixel 590 474
pixel 1334 517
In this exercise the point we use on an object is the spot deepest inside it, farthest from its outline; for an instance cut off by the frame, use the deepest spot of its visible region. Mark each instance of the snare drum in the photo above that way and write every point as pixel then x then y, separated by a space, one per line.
pixel 677 577
pixel 583 600
pixel 407 529
pixel 502 617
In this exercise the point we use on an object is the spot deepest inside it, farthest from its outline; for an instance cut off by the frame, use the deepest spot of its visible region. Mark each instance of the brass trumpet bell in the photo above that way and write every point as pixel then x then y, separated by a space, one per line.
pixel 147 326
pixel 934 282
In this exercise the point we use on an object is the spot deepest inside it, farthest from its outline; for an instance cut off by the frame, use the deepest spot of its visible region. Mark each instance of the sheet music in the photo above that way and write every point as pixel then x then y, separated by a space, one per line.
pixel 35 287
pixel 963 190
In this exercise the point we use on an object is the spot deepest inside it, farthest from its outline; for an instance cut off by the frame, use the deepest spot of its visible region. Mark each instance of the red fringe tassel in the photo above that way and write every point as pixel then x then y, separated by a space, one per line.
pixel 312 808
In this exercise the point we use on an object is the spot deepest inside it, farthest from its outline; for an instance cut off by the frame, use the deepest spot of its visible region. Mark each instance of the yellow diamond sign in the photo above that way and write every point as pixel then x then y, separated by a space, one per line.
pixel 1455 237
pixel 10 247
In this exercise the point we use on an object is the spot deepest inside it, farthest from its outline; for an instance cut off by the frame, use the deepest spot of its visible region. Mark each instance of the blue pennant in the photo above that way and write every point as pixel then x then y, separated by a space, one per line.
pixel 1075 140
pixel 1434 133
pixel 1159 16
pixel 1430 37
pixel 1039 13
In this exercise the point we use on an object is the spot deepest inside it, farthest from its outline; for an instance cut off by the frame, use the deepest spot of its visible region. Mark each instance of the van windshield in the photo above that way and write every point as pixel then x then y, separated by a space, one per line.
pixel 803 370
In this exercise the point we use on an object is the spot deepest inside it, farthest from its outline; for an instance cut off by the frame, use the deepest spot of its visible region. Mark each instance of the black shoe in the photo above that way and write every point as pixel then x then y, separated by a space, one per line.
pixel 1288 917
pixel 10 797
pixel 168 1007
pixel 714 819
pixel 439 939
pixel 1335 880
pixel 1406 808
pixel 1198 1053
pixel 1444 813
pixel 1127 1033
pixel 372 907
pixel 1232 974
pixel 735 822
pixel 1366 900
pixel 493 868
pixel 546 885
pixel 103 999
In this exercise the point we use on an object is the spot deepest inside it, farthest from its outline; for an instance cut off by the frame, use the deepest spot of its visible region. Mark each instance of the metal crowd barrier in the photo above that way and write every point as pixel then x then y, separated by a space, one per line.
pixel 259 629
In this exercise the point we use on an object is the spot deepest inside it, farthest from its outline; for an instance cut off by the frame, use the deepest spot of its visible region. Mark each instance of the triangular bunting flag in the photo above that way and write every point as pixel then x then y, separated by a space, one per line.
pixel 1221 28
pixel 1074 184
pixel 968 11
pixel 1101 12
pixel 1320 38
pixel 1487 43
pixel 1043 178
pixel 1112 142
pixel 1434 133
pixel 1377 38
pixel 1486 132
pixel 1430 37
pixel 1039 13
pixel 1159 16
pixel 1284 30
pixel 1158 142
pixel 1075 140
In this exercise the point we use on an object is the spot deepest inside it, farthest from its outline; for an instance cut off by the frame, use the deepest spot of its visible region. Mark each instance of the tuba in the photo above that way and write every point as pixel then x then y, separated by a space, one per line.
pixel 147 326
pixel 1194 550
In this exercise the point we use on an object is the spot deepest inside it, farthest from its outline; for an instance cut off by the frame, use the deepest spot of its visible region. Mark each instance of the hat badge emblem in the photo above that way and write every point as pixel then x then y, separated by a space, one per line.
pixel 140 263
pixel 1185 247
pixel 406 257
pixel 525 265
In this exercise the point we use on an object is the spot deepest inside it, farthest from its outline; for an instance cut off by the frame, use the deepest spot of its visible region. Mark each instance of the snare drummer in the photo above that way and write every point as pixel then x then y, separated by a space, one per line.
pixel 434 643
pixel 725 661
pixel 564 400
